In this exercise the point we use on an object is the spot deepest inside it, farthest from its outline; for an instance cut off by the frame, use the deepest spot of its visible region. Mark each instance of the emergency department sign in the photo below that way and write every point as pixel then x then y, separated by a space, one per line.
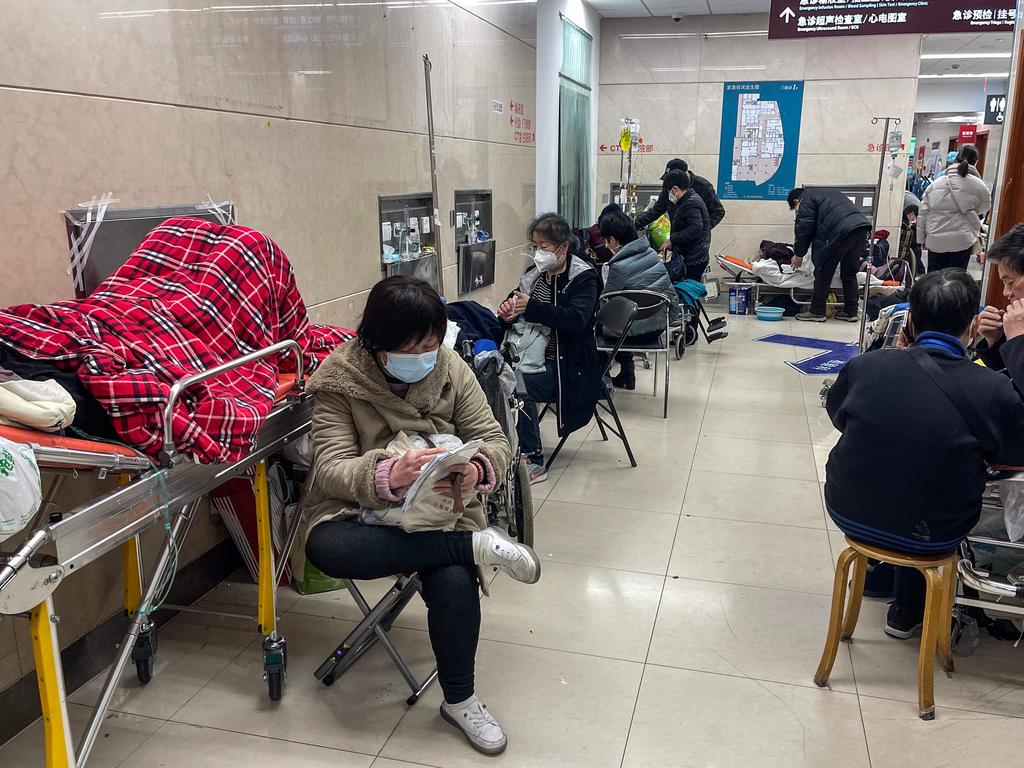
pixel 841 18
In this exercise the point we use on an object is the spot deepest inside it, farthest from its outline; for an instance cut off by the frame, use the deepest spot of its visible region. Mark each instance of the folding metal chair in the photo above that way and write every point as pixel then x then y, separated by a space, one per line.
pixel 648 304
pixel 374 629
pixel 615 317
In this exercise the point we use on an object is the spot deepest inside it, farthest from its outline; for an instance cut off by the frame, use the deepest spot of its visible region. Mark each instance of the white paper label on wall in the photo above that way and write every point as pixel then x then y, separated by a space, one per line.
pixel 869 201
pixel 497 106
pixel 425 225
pixel 460 219
pixel 385 231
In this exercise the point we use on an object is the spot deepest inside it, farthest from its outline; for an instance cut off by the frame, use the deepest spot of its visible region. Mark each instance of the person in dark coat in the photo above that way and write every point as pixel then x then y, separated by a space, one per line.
pixel 938 451
pixel 600 253
pixel 836 232
pixel 635 266
pixel 704 188
pixel 559 291
pixel 1008 253
pixel 690 239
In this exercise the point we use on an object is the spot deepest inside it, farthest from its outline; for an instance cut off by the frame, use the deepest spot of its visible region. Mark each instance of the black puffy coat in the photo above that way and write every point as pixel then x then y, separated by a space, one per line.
pixel 691 229
pixel 571 318
pixel 824 218
pixel 700 185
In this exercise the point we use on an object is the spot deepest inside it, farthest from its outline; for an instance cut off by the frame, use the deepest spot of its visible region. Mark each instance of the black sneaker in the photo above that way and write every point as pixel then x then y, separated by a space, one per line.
pixel 847 318
pixel 809 317
pixel 901 622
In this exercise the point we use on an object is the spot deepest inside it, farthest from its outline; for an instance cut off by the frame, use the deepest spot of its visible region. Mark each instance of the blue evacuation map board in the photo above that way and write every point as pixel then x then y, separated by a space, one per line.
pixel 760 138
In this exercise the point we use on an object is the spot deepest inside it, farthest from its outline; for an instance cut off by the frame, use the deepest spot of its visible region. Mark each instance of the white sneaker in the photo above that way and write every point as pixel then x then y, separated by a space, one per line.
pixel 493 547
pixel 481 730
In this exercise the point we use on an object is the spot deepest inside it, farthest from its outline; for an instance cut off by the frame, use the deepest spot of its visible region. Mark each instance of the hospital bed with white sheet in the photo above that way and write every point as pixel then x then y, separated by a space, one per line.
pixel 160 489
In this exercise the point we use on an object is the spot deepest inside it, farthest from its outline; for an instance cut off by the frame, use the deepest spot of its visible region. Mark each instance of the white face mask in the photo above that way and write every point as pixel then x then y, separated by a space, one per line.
pixel 545 260
pixel 673 198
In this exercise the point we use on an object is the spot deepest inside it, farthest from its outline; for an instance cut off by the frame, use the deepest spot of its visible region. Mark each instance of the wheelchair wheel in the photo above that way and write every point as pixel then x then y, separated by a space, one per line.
pixel 522 505
pixel 680 345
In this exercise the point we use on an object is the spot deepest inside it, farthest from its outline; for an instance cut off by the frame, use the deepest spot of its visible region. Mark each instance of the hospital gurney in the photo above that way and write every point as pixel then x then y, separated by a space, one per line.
pixel 167 492
pixel 742 272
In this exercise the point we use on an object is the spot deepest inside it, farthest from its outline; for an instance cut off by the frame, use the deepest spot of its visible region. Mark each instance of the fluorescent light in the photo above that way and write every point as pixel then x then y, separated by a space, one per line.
pixel 657 35
pixel 313 72
pixel 736 69
pixel 740 33
pixel 673 69
pixel 936 56
pixel 962 76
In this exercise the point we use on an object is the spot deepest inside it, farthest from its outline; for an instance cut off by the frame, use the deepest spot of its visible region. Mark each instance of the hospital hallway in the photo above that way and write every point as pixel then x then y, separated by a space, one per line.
pixel 678 622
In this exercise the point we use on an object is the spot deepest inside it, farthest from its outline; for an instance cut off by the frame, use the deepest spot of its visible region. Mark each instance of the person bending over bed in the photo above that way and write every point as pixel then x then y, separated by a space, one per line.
pixel 908 473
pixel 396 376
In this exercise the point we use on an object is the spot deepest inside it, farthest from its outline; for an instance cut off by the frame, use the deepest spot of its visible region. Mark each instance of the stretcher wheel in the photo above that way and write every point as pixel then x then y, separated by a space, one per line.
pixel 275 684
pixel 144 670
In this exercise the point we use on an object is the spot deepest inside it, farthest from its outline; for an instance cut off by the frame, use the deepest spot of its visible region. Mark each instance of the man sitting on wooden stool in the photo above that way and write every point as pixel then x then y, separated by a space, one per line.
pixel 918 427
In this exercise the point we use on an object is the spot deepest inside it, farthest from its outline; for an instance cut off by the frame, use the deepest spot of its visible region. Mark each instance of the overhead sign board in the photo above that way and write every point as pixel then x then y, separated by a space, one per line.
pixel 841 18
pixel 995 109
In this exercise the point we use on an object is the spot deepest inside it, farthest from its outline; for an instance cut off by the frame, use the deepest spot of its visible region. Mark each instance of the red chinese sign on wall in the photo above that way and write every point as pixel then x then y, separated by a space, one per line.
pixel 639 147
pixel 839 18
pixel 522 126
pixel 968 134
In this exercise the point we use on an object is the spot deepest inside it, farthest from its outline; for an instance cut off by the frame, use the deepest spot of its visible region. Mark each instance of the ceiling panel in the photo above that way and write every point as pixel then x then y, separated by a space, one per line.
pixel 960 49
pixel 628 8
pixel 740 6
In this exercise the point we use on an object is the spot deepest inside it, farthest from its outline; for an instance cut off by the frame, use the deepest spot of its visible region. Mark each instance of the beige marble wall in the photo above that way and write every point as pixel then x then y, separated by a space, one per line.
pixel 673 85
pixel 302 115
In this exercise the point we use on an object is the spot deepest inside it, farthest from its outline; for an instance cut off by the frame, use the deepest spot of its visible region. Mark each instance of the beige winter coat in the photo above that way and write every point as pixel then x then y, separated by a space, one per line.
pixel 355 416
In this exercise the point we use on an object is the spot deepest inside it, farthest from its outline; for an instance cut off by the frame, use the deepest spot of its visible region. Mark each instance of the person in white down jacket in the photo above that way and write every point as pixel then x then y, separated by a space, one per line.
pixel 951 211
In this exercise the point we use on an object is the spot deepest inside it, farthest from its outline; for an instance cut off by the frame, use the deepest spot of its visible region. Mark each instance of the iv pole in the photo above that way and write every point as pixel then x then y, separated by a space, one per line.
pixel 427 66
pixel 889 121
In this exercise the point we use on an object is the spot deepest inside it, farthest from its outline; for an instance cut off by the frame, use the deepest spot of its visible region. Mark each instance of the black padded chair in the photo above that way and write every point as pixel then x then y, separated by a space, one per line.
pixel 615 318
pixel 648 304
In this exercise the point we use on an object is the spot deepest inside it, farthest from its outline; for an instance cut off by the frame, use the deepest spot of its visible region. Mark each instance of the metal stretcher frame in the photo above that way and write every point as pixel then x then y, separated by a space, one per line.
pixel 741 275
pixel 151 492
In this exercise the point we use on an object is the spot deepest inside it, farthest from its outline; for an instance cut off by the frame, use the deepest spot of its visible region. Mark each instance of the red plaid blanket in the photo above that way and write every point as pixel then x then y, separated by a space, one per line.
pixel 193 295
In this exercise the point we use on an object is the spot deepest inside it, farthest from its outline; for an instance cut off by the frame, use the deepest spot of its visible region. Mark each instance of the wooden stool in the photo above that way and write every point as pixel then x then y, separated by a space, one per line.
pixel 939 574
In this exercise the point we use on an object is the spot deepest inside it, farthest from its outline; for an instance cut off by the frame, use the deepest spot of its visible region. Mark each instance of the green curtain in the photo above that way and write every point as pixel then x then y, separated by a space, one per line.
pixel 574 144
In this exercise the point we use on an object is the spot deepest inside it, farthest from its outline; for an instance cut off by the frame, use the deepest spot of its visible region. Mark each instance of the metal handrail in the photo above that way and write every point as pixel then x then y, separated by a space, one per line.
pixel 980 582
pixel 168 452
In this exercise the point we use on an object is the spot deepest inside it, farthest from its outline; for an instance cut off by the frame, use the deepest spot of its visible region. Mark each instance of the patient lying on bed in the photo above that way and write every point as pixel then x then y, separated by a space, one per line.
pixel 785 276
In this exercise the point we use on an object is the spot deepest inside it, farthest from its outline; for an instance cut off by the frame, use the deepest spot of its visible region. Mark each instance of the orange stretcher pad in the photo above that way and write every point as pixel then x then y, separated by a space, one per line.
pixel 46 440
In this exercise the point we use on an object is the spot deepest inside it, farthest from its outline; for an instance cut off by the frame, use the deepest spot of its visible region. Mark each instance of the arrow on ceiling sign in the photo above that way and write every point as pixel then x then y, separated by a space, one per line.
pixel 787 14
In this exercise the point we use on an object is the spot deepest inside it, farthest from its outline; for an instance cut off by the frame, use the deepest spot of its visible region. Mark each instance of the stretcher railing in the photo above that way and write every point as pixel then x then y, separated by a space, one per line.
pixel 151 493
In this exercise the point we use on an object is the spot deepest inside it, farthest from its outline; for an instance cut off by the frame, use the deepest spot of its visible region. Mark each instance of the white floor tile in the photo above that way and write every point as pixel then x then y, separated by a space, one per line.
pixel 760 458
pixel 779 501
pixel 758 400
pixel 224 749
pixel 773 427
pixel 357 713
pixel 692 719
pixel 753 554
pixel 559 710
pixel 752 632
pixel 576 608
pixel 650 489
pixel 120 736
pixel 651 449
pixel 585 534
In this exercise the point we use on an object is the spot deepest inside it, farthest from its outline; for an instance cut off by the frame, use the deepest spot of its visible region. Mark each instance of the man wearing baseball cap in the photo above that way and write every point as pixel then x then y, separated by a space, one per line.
pixel 704 189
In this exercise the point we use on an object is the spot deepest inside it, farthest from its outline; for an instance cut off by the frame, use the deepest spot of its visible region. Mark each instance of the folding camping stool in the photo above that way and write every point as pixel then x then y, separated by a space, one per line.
pixel 372 629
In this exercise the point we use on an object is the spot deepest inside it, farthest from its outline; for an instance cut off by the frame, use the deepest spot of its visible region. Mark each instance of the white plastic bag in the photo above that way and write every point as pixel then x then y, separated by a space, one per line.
pixel 1011 492
pixel 21 490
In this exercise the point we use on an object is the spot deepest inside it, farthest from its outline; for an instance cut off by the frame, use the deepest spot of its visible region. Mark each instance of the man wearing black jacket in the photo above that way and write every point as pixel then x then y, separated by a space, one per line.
pixel 1008 253
pixel 908 473
pixel 704 188
pixel 691 230
pixel 829 225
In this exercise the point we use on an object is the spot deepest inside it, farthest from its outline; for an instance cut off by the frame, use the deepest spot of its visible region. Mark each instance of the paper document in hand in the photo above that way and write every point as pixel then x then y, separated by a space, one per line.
pixel 437 469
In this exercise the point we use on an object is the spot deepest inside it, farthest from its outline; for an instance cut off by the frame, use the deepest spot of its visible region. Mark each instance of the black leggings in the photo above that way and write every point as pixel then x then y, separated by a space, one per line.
pixel 347 549
pixel 956 259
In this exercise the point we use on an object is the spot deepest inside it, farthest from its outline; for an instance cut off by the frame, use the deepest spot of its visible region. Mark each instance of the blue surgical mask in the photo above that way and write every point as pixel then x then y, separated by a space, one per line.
pixel 410 368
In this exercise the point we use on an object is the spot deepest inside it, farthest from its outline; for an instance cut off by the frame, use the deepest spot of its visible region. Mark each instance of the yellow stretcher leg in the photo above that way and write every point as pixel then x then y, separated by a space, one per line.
pixel 56 728
pixel 266 612
pixel 131 560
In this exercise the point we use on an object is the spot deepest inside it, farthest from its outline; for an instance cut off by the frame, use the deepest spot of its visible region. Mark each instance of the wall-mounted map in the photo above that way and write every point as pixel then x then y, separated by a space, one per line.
pixel 759 141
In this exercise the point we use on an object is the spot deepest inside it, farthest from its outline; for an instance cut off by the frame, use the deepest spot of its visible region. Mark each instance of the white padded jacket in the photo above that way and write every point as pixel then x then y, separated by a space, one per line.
pixel 950 213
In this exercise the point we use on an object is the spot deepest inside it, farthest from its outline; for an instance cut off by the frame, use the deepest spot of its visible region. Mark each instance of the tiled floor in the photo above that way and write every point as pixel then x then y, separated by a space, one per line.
pixel 678 623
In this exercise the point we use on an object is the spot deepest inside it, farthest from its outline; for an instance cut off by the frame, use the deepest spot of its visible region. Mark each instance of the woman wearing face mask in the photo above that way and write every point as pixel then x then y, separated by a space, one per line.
pixel 396 376
pixel 559 291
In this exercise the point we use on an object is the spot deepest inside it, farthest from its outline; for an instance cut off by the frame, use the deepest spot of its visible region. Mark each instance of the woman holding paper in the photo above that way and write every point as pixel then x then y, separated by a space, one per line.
pixel 372 395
